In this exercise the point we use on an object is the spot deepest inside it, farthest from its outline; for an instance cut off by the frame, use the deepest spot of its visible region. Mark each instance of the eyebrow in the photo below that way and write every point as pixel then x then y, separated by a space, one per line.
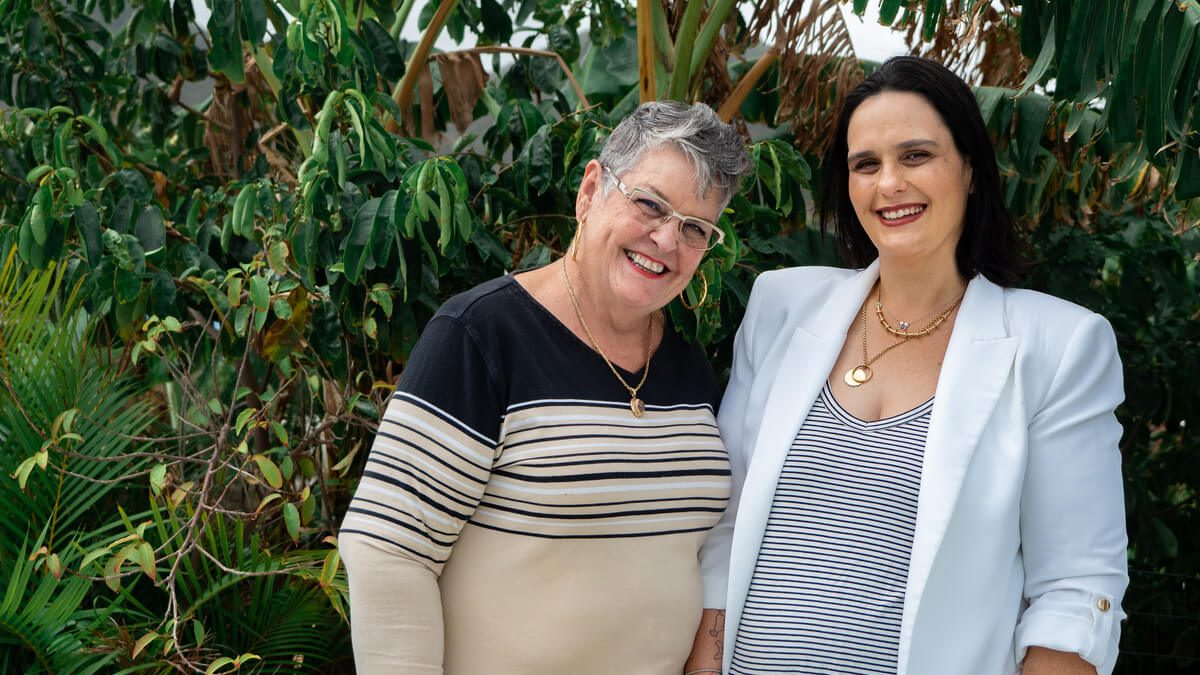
pixel 916 142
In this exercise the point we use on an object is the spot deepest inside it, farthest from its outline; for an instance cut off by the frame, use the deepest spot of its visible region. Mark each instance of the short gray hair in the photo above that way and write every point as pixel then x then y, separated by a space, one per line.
pixel 715 149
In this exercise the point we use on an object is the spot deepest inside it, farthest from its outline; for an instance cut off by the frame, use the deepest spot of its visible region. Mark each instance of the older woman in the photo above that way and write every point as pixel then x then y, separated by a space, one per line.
pixel 926 472
pixel 549 465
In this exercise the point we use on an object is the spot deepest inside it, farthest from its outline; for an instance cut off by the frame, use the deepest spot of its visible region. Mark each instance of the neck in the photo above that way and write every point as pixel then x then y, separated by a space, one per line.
pixel 607 323
pixel 915 291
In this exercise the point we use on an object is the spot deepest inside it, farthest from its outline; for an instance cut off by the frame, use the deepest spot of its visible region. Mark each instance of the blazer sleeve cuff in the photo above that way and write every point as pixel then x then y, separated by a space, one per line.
pixel 715 592
pixel 1084 623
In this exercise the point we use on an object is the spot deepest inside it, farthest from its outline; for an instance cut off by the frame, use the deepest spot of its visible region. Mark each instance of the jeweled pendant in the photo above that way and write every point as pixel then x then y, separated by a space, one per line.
pixel 637 407
pixel 904 325
pixel 858 375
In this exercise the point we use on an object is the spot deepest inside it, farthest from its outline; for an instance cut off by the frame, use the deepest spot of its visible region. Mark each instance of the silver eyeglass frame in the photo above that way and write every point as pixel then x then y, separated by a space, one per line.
pixel 662 220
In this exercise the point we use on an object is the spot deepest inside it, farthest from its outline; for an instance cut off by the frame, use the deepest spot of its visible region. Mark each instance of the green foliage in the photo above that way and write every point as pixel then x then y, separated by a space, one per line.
pixel 209 295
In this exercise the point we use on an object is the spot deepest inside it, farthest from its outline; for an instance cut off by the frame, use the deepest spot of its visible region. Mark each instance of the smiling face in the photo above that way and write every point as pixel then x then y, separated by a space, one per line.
pixel 626 266
pixel 907 181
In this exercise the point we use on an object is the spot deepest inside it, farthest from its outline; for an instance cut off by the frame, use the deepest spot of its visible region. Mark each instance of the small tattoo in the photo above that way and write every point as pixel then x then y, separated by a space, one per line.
pixel 718 631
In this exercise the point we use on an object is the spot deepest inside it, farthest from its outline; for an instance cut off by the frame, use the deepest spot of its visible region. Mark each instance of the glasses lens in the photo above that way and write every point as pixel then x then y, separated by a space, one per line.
pixel 697 234
pixel 651 208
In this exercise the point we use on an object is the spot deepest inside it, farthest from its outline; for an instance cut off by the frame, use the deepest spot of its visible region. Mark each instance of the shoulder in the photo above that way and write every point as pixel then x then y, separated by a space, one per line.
pixel 792 282
pixel 1062 344
pixel 484 303
pixel 783 297
pixel 1048 319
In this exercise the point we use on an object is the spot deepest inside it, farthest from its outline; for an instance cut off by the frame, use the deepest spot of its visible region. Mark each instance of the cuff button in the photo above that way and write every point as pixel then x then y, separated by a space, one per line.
pixel 1103 604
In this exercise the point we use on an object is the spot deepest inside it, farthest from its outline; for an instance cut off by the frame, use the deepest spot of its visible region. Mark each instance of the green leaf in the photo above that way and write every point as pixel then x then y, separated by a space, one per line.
pixel 280 432
pixel 23 471
pixel 277 256
pixel 259 293
pixel 158 478
pixel 144 557
pixel 282 308
pixel 1033 111
pixel 254 19
pixel 887 11
pixel 304 247
pixel 36 174
pixel 382 230
pixel 1187 185
pixel 150 231
pixel 1078 59
pixel 218 664
pixel 388 59
pixel 291 520
pixel 225 55
pixel 87 223
pixel 497 26
pixel 354 258
pixel 540 157
pixel 308 508
pixel 269 471
pixel 244 211
pixel 40 215
pixel 244 418
pixel 1041 66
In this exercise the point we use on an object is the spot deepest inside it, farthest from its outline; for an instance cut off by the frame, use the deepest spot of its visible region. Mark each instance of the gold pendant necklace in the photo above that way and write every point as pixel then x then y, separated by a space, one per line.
pixel 636 405
pixel 862 373
pixel 902 330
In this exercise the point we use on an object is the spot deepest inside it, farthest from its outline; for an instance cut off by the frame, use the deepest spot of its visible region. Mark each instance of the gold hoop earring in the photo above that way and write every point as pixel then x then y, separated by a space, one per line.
pixel 703 295
pixel 578 240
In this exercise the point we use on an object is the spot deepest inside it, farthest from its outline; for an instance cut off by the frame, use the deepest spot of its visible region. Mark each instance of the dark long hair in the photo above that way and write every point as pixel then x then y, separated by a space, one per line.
pixel 989 244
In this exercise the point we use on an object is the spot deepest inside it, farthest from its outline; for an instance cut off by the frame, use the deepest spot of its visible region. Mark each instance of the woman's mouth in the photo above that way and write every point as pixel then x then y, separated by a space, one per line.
pixel 901 214
pixel 644 264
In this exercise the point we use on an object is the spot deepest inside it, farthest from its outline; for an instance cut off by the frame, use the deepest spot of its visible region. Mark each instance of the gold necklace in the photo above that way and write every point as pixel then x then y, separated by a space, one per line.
pixel 862 373
pixel 636 405
pixel 902 330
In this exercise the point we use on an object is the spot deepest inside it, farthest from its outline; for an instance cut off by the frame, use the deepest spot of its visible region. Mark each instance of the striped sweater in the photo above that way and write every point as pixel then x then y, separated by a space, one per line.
pixel 514 509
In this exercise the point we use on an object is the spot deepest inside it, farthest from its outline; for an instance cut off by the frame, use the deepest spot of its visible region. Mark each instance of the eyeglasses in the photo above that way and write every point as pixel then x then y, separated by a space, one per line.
pixel 653 212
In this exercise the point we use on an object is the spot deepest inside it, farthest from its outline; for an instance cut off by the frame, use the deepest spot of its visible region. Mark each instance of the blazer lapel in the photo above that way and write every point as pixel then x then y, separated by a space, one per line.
pixel 974 372
pixel 799 375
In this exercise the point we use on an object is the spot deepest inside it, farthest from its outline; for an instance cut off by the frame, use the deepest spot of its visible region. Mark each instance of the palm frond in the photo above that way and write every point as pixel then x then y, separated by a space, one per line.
pixel 42 622
pixel 48 366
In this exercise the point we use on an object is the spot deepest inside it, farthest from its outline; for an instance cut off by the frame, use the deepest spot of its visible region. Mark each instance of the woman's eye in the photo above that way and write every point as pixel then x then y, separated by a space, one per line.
pixel 916 156
pixel 691 227
pixel 650 206
pixel 865 165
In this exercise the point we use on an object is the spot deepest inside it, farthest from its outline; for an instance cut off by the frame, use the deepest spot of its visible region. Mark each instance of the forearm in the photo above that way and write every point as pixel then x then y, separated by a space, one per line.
pixel 707 649
pixel 1042 661
pixel 395 612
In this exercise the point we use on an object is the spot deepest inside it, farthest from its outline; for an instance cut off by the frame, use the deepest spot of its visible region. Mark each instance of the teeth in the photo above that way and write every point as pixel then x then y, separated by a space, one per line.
pixel 645 263
pixel 900 213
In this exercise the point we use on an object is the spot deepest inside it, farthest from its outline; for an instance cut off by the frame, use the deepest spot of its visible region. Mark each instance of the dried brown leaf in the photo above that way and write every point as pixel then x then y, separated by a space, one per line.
pixel 463 81
pixel 817 68
pixel 978 41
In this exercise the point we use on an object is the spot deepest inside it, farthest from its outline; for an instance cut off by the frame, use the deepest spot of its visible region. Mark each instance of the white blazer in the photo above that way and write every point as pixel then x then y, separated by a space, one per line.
pixel 1020 533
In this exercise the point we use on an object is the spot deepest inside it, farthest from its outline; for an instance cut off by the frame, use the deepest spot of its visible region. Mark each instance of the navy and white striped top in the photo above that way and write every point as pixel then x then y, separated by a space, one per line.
pixel 542 527
pixel 828 589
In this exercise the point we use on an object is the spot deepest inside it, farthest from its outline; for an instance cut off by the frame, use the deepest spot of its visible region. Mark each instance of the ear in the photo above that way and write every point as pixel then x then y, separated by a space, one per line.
pixel 589 189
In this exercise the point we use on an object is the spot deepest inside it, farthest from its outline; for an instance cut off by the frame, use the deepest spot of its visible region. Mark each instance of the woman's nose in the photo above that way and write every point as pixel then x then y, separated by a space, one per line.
pixel 666 235
pixel 891 178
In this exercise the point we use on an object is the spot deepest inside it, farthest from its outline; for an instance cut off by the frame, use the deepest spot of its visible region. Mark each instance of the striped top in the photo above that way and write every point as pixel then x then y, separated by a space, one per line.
pixel 560 530
pixel 827 593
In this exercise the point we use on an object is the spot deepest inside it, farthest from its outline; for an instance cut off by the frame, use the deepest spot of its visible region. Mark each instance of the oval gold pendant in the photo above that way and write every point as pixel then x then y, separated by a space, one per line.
pixel 858 375
pixel 637 407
